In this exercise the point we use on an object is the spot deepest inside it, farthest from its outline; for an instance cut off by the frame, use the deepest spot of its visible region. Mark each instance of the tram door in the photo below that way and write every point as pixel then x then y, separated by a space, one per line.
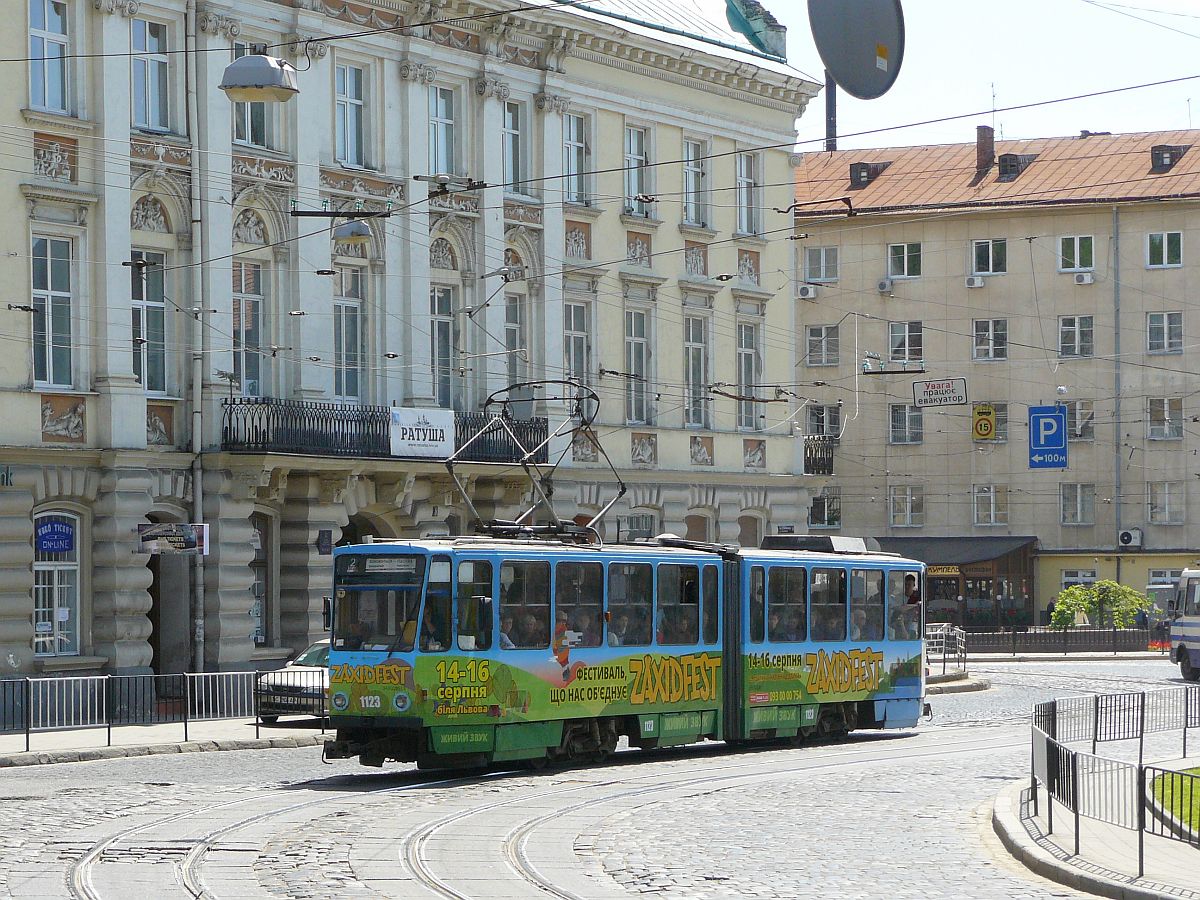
pixel 731 655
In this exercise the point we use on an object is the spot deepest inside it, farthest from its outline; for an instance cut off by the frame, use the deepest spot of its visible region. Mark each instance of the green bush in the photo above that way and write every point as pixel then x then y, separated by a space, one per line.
pixel 1102 602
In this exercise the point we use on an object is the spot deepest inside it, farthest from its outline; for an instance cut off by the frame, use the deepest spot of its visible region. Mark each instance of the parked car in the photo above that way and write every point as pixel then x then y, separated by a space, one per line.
pixel 300 688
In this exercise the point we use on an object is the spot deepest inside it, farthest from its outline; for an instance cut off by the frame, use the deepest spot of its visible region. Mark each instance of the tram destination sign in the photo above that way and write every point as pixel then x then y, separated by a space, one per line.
pixel 945 392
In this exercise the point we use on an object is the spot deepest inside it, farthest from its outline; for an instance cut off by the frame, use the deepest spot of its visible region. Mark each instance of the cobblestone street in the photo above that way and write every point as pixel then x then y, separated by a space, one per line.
pixel 880 815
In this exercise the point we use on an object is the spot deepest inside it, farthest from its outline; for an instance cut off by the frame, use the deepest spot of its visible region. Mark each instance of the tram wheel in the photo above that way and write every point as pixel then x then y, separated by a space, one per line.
pixel 537 763
pixel 1186 669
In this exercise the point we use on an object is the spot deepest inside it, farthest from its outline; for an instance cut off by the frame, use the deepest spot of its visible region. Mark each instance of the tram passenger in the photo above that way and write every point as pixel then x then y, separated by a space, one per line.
pixel 775 630
pixel 858 624
pixel 617 628
pixel 432 637
pixel 911 594
pixel 506 628
pixel 533 631
pixel 794 629
pixel 587 624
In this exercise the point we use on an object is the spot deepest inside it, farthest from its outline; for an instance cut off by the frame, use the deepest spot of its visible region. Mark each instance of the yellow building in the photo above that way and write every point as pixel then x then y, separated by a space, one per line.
pixel 1011 275
pixel 182 349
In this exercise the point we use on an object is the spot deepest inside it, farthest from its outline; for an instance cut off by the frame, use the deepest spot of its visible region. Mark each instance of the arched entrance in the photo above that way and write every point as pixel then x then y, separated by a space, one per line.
pixel 360 525
pixel 170 600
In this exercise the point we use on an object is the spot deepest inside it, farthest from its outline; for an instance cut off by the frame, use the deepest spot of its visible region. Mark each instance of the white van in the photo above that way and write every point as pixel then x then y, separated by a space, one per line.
pixel 1185 624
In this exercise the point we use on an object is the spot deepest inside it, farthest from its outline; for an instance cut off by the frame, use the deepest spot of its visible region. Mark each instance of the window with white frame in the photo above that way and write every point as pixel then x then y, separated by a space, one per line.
pixel 248 301
pixel 348 338
pixel 694 161
pixel 149 320
pixel 516 338
pixel 989 257
pixel 577 342
pixel 637 170
pixel 441 343
pixel 575 158
pixel 1164 502
pixel 150 75
pixel 443 151
pixel 823 420
pixel 53 309
pixel 56 590
pixel 515 152
pixel 1081 420
pixel 637 367
pixel 749 369
pixel 1164 576
pixel 1078 504
pixel 820 263
pixel 350 115
pixel 1075 253
pixel 1073 577
pixel 906 505
pixel 747 188
pixel 1075 337
pixel 252 121
pixel 905 341
pixel 1000 434
pixel 823 345
pixel 695 370
pixel 1164 418
pixel 1164 249
pixel 904 260
pixel 49 48
pixel 906 425
pixel 826 508
pixel 1164 332
pixel 990 504
pixel 991 339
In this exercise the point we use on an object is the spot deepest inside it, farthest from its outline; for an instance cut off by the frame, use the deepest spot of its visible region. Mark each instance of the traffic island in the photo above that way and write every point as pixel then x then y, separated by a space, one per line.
pixel 955 683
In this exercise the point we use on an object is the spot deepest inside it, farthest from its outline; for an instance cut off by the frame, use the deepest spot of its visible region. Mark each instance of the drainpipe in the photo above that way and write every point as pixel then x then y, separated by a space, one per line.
pixel 197 291
pixel 1116 280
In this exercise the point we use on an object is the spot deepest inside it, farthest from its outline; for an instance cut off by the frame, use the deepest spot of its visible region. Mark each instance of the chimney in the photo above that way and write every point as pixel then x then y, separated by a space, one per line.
pixel 985 149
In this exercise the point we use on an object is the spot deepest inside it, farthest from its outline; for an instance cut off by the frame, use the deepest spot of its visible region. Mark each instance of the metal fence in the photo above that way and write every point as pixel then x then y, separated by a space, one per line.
pixel 1077 639
pixel 1133 796
pixel 946 643
pixel 34 705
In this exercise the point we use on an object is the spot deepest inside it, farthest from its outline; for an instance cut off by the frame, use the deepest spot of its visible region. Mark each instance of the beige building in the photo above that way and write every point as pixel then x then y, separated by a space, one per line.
pixel 182 349
pixel 1046 273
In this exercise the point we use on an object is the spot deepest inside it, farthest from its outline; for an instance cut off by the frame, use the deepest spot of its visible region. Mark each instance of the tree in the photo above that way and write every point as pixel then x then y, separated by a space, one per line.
pixel 1103 602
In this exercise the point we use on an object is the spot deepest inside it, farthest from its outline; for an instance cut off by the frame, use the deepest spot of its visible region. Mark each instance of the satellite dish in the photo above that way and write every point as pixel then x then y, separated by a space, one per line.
pixel 861 43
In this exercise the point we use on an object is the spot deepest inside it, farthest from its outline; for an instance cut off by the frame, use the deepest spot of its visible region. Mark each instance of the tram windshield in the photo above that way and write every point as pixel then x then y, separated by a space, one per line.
pixel 378 597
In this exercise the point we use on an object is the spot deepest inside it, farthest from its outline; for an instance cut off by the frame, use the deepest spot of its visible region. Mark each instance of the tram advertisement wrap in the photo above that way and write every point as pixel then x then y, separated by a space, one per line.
pixel 820 675
pixel 468 689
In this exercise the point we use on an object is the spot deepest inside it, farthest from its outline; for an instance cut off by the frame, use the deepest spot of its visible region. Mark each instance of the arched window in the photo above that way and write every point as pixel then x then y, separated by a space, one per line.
pixel 56 584
pixel 749 531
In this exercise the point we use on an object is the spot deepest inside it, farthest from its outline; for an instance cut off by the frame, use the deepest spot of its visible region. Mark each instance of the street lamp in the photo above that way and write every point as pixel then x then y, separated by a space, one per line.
pixel 256 78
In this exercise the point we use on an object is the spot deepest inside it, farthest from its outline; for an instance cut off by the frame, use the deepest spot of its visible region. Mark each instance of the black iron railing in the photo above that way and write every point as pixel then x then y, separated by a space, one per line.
pixel 818 454
pixel 269 425
pixel 497 445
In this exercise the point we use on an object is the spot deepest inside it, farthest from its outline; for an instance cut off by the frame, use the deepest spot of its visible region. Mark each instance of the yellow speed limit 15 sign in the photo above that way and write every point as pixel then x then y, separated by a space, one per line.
pixel 983 422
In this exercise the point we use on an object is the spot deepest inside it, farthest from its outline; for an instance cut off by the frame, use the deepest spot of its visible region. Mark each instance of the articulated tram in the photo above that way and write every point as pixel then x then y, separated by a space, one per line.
pixel 495 649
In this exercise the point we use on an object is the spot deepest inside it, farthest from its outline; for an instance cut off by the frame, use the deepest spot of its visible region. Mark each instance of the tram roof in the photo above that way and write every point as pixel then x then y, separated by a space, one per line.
pixel 502 545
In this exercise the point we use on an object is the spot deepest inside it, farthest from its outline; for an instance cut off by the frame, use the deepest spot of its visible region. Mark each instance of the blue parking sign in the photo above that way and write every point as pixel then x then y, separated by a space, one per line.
pixel 1047 437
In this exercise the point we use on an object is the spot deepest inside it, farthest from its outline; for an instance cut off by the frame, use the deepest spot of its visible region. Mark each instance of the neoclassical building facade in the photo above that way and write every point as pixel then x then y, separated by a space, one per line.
pixel 183 348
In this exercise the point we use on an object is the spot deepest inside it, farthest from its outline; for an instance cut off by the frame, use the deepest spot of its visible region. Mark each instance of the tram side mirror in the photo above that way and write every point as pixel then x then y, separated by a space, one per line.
pixel 327 613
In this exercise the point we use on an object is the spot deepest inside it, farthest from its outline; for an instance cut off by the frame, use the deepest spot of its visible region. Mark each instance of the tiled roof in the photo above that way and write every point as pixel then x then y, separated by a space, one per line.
pixel 1084 169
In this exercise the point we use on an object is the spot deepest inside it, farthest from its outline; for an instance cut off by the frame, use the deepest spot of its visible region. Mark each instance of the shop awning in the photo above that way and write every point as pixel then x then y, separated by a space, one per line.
pixel 954 551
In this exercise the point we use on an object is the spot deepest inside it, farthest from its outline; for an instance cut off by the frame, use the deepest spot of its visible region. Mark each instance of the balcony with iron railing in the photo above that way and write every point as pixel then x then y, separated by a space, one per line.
pixel 271 425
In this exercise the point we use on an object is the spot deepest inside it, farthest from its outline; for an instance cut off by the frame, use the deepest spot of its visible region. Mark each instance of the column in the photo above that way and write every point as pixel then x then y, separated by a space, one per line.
pixel 122 401
pixel 228 504
pixel 552 107
pixel 313 502
pixel 120 579
pixel 490 371
pixel 412 249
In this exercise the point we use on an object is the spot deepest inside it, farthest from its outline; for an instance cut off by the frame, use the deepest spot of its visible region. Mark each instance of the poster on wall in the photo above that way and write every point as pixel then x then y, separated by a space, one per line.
pixel 170 537
pixel 425 433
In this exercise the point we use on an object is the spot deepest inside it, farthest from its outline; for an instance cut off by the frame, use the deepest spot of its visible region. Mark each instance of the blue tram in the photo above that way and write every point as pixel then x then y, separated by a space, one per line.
pixel 479 650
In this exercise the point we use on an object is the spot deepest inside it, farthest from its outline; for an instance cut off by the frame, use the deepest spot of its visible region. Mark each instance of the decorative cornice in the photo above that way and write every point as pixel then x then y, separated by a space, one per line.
pixel 492 87
pixel 57 122
pixel 362 187
pixel 411 70
pixel 554 103
pixel 305 45
pixel 126 8
pixel 212 22
pixel 263 170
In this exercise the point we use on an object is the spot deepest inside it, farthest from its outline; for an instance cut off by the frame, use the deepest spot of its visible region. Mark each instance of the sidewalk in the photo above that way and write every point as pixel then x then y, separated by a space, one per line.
pixel 1172 868
pixel 80 745
pixel 1142 655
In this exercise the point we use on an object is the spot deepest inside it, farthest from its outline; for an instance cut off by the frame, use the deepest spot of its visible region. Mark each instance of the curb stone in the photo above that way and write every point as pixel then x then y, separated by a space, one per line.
pixel 94 754
pixel 1016 840
pixel 961 686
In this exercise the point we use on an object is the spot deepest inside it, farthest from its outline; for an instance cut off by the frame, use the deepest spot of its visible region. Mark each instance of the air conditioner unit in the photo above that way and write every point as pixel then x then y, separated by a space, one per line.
pixel 807 292
pixel 1130 537
pixel 884 286
pixel 1084 278
pixel 974 281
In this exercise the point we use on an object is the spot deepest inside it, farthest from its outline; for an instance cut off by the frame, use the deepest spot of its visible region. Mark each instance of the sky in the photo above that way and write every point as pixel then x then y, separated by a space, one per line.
pixel 958 52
